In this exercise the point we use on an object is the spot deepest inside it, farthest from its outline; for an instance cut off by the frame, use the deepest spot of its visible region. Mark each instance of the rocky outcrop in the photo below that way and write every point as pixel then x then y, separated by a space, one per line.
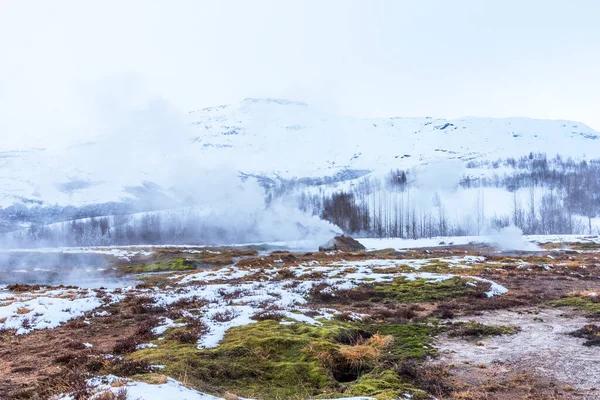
pixel 343 243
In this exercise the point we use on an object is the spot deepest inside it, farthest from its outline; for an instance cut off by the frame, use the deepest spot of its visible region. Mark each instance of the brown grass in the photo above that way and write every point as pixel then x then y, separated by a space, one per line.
pixel 436 378
pixel 224 316
pixel 393 314
pixel 157 379
pixel 23 310
pixel 21 288
pixel 380 342
pixel 121 394
pixel 360 357
pixel 268 314
pixel 125 345
pixel 182 335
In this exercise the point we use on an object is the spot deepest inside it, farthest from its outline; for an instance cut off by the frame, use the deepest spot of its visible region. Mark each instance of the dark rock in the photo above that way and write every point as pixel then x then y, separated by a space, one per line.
pixel 343 243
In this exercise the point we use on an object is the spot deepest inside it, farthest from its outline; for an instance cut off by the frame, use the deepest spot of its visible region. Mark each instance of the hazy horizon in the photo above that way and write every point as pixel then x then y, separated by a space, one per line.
pixel 365 59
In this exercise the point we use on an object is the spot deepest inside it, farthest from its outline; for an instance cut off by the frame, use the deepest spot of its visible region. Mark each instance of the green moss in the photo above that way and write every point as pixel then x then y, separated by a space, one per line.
pixel 476 330
pixel 176 264
pixel 268 360
pixel 385 385
pixel 383 253
pixel 403 290
pixel 538 260
pixel 435 266
pixel 590 305
pixel 410 340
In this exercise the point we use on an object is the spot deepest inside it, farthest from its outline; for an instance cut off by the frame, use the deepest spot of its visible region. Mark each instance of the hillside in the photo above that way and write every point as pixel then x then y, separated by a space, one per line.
pixel 162 160
pixel 276 138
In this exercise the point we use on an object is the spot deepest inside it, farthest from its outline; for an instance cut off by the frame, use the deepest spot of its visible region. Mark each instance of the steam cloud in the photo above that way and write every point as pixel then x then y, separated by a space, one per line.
pixel 511 238
pixel 57 268
pixel 141 139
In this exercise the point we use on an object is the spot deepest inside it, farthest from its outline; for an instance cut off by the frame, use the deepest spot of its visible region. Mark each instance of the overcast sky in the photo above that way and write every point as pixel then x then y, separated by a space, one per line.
pixel 441 58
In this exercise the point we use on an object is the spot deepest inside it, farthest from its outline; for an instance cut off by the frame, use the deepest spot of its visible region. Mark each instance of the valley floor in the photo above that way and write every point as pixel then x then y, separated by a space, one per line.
pixel 446 321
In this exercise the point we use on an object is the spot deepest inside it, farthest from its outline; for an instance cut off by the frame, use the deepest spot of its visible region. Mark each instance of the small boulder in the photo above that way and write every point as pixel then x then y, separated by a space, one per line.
pixel 343 243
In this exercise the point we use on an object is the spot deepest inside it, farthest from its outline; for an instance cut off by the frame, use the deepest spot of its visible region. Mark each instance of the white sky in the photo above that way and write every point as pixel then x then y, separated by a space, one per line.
pixel 441 58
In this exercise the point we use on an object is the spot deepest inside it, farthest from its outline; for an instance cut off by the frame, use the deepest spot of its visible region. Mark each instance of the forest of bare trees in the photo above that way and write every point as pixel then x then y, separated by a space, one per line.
pixel 384 208
pixel 150 228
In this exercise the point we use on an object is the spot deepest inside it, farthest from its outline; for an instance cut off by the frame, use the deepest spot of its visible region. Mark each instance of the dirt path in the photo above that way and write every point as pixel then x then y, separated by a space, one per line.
pixel 542 350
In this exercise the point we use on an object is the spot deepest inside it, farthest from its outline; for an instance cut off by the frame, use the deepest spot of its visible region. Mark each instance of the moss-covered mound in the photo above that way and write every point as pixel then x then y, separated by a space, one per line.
pixel 176 264
pixel 270 360
pixel 404 290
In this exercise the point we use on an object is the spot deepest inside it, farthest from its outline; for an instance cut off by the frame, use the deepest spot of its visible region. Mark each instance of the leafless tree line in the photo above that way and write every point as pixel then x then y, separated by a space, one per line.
pixel 384 207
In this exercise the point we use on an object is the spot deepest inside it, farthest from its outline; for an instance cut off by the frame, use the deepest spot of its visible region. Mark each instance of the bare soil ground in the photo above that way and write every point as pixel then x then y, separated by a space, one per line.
pixel 35 364
pixel 555 364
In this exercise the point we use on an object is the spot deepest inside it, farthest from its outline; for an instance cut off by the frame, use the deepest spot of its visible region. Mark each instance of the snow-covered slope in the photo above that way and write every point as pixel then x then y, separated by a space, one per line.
pixel 295 140
pixel 270 138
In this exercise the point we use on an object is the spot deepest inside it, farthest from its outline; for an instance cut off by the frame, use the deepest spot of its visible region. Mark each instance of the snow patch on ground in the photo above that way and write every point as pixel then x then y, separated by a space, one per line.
pixel 46 309
pixel 171 389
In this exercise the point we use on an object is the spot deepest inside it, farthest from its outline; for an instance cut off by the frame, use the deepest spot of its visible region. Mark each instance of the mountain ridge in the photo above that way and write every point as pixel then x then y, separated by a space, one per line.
pixel 274 139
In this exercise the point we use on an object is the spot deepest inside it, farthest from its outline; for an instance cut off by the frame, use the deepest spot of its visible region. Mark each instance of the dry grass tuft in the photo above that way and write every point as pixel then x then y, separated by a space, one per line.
pixel 157 379
pixel 268 315
pixel 380 342
pixel 119 383
pixel 224 316
pixel 120 394
pixel 589 332
pixel 359 357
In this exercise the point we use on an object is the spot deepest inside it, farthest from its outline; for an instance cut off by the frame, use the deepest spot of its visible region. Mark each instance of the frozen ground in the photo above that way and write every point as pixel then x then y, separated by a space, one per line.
pixel 43 308
pixel 299 292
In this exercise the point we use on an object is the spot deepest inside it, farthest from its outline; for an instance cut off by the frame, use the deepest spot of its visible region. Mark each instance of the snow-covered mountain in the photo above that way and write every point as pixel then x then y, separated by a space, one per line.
pixel 269 138
pixel 293 139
